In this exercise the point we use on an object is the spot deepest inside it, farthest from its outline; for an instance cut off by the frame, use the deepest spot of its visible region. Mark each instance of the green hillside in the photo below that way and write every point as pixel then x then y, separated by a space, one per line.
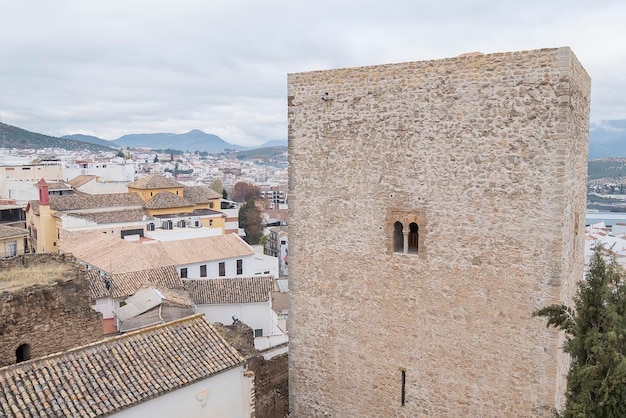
pixel 261 153
pixel 13 137
pixel 606 168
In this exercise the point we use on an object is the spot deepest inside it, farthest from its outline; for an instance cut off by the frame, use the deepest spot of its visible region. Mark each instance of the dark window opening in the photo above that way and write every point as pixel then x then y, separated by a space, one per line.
pixel 22 353
pixel 258 332
pixel 203 270
pixel 183 273
pixel 239 267
pixel 413 238
pixel 403 394
pixel 222 267
pixel 398 238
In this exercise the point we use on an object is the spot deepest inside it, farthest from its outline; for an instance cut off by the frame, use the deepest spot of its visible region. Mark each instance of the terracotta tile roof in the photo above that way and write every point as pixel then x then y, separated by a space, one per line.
pixel 58 185
pixel 200 194
pixel 167 200
pixel 126 284
pixel 175 297
pixel 154 181
pixel 230 290
pixel 116 373
pixel 113 216
pixel 34 206
pixel 97 285
pixel 115 255
pixel 78 181
pixel 196 250
pixel 87 201
pixel 11 231
pixel 280 214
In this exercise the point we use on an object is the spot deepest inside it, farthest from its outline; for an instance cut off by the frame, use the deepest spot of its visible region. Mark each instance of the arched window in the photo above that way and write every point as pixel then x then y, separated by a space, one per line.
pixel 22 353
pixel 398 238
pixel 413 238
pixel 403 230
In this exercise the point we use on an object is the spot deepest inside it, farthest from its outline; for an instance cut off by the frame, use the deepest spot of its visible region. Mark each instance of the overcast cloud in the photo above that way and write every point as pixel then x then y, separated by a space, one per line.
pixel 115 67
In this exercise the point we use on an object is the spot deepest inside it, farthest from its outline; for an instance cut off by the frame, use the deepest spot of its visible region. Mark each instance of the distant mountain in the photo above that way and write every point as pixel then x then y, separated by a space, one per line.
pixel 14 137
pixel 262 152
pixel 607 139
pixel 191 141
pixel 91 140
pixel 274 143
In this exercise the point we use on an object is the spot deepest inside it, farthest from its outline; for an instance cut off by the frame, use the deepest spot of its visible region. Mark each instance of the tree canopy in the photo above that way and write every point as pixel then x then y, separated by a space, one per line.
pixel 595 332
pixel 251 220
pixel 217 185
pixel 243 192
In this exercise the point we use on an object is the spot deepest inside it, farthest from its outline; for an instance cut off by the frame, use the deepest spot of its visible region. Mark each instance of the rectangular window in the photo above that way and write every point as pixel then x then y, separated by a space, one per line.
pixel 258 332
pixel 203 270
pixel 12 248
pixel 222 269
pixel 183 273
pixel 239 267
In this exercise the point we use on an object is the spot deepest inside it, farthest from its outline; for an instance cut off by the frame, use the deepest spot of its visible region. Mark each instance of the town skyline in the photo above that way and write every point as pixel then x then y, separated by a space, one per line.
pixel 113 69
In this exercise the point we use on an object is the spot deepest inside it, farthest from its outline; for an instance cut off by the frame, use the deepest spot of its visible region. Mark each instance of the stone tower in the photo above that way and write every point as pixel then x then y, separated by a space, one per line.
pixel 434 206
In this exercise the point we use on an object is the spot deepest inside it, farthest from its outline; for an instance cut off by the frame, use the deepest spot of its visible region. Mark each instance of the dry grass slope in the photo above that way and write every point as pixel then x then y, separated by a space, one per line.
pixel 18 277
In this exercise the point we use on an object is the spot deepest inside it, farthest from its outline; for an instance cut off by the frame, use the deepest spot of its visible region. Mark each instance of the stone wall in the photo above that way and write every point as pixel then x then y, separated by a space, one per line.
pixel 49 317
pixel 270 376
pixel 486 156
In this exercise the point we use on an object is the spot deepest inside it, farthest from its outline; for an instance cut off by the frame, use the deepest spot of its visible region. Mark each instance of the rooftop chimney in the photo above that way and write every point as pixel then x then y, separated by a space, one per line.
pixel 43 192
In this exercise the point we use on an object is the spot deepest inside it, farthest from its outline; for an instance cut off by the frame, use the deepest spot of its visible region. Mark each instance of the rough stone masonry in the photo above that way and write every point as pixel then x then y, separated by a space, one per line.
pixel 434 206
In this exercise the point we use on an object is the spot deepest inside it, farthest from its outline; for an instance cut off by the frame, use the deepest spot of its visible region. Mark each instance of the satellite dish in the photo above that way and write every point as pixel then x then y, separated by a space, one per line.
pixel 144 218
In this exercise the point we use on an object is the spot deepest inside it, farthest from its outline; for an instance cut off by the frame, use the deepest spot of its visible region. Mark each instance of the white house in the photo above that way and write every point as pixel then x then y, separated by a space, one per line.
pixel 207 257
pixel 247 299
pixel 183 368
pixel 110 291
pixel 92 184
pixel 106 171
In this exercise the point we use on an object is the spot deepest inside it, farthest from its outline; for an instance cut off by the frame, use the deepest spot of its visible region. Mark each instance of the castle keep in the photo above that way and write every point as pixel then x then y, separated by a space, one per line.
pixel 433 207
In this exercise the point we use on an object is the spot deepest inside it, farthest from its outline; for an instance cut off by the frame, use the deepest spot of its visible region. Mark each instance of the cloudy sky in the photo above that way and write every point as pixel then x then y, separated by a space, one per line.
pixel 114 67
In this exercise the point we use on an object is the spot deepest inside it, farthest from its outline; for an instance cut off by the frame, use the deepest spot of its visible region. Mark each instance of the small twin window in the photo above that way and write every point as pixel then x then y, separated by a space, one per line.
pixel 406 231
pixel 405 240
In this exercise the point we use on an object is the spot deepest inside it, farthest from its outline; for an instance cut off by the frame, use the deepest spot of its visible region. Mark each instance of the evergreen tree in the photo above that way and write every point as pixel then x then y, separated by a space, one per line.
pixel 596 341
pixel 251 220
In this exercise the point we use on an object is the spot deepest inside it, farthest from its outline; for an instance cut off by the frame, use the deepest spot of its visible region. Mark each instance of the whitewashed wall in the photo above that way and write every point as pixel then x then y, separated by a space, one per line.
pixel 256 315
pixel 193 269
pixel 225 395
